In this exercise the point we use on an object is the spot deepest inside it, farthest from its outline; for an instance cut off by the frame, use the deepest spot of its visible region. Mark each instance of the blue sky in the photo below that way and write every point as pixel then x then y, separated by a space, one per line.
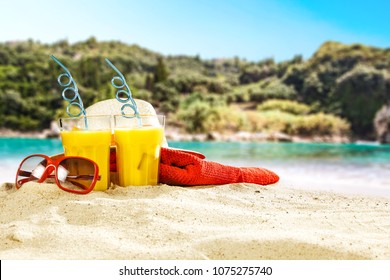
pixel 250 29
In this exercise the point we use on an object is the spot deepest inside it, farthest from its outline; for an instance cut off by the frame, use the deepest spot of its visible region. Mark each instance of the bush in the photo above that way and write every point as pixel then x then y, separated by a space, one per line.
pixel 272 89
pixel 195 116
pixel 225 119
pixel 143 94
pixel 206 113
pixel 288 106
pixel 253 73
pixel 362 92
pixel 22 123
pixel 213 100
pixel 270 121
pixel 236 97
pixel 164 92
pixel 185 81
pixel 320 124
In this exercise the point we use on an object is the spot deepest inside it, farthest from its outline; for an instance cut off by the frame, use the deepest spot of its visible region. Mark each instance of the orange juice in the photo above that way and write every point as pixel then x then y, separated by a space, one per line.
pixel 94 145
pixel 138 154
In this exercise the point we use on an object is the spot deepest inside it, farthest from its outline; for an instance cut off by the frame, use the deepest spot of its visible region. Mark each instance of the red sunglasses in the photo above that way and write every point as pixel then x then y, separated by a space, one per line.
pixel 70 173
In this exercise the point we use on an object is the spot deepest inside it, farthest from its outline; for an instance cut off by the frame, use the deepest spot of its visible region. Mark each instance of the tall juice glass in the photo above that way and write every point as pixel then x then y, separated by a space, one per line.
pixel 138 144
pixel 89 137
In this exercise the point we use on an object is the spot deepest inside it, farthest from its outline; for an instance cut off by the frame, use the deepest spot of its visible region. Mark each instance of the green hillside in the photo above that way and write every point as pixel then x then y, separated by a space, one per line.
pixel 336 92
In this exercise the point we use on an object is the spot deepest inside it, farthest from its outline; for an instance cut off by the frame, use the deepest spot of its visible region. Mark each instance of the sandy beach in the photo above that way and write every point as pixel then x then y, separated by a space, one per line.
pixel 235 221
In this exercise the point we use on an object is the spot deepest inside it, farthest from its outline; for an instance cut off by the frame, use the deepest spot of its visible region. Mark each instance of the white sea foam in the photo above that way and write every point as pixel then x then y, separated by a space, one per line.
pixel 343 177
pixel 367 180
pixel 8 169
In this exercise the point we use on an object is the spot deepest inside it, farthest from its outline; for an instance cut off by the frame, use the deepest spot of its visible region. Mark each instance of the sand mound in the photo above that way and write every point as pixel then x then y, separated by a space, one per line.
pixel 236 221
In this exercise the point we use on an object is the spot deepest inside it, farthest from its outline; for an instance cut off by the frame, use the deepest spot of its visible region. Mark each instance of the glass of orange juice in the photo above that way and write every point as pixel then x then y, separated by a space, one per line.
pixel 89 137
pixel 138 142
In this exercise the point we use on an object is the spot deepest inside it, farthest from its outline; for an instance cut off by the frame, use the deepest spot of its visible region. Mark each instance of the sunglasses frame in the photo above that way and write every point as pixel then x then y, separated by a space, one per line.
pixel 52 165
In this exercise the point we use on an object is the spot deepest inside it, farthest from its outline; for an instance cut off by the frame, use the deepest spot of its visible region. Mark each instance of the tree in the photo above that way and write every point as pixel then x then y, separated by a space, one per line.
pixel 161 72
pixel 361 93
pixel 256 72
pixel 195 116
pixel 149 82
pixel 272 89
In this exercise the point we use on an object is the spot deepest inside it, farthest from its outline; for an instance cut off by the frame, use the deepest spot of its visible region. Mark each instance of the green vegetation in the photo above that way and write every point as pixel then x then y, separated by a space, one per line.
pixel 337 91
pixel 288 106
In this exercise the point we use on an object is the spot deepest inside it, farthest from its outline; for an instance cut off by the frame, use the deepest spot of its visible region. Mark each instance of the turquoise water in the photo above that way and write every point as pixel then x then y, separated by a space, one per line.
pixel 348 168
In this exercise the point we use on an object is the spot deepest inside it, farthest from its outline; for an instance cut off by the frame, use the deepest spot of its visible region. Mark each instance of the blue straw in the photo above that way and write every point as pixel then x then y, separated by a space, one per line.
pixel 74 99
pixel 126 92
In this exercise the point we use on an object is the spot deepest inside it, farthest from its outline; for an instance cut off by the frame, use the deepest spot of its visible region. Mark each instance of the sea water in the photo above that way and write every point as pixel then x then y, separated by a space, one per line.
pixel 346 168
pixel 14 150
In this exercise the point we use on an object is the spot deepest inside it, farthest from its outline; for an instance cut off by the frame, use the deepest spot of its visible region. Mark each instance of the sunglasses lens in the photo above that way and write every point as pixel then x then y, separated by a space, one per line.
pixel 76 175
pixel 31 169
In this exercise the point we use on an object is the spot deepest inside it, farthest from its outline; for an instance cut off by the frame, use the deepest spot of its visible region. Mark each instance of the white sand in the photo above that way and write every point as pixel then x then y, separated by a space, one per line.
pixel 237 221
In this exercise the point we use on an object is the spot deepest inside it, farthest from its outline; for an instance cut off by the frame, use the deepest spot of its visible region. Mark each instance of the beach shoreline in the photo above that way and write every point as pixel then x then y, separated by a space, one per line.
pixel 175 134
pixel 234 221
